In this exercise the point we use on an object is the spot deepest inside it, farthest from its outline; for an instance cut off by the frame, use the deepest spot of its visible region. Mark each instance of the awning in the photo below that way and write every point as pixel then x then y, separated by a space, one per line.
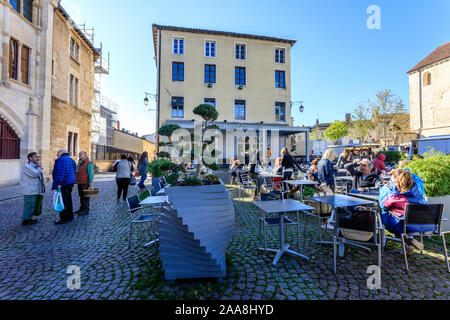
pixel 284 130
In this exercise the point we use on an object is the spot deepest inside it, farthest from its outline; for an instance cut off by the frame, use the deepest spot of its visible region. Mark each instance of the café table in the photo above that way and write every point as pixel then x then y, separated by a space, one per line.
pixel 371 195
pixel 342 201
pixel 385 178
pixel 150 201
pixel 301 183
pixel 282 207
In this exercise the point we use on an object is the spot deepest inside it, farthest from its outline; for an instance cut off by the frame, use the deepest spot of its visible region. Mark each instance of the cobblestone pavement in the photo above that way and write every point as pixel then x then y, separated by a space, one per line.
pixel 34 261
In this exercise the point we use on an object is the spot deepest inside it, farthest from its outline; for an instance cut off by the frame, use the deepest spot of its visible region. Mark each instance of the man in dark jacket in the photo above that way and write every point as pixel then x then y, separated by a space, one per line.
pixel 365 179
pixel 85 177
pixel 64 178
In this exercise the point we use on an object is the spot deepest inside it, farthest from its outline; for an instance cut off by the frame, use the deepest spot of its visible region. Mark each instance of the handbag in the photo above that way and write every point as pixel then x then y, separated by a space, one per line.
pixel 324 190
pixel 58 204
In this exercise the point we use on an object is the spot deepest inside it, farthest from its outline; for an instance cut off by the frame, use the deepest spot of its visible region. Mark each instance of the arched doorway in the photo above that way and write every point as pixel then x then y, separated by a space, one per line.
pixel 9 142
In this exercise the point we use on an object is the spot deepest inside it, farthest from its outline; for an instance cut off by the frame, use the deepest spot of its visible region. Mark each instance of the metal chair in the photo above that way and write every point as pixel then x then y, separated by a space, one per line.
pixel 275 222
pixel 245 183
pixel 152 219
pixel 360 228
pixel 423 220
pixel 316 213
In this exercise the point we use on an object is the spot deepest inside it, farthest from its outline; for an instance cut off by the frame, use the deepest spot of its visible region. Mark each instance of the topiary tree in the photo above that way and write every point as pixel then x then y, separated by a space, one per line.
pixel 207 112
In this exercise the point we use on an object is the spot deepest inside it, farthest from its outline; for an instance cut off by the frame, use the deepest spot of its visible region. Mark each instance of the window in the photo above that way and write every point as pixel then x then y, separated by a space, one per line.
pixel 74 49
pixel 13 58
pixel 280 77
pixel 76 93
pixel 210 101
pixel 427 79
pixel 15 4
pixel 27 10
pixel 280 55
pixel 73 91
pixel 71 85
pixel 239 75
pixel 178 46
pixel 9 142
pixel 210 73
pixel 210 49
pixel 240 51
pixel 280 111
pixel 75 144
pixel 239 109
pixel 25 65
pixel 177 71
pixel 69 142
pixel 177 107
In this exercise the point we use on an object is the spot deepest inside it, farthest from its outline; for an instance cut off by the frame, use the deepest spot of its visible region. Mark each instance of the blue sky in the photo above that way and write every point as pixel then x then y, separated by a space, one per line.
pixel 336 63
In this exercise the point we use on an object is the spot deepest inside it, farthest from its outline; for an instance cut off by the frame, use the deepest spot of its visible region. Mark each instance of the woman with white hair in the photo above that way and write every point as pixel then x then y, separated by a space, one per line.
pixel 326 171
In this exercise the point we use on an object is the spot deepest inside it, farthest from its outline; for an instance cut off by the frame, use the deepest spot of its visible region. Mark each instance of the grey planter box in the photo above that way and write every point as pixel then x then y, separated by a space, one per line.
pixel 194 236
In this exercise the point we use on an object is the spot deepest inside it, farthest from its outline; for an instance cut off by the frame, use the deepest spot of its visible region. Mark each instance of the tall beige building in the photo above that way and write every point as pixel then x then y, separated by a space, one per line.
pixel 72 86
pixel 429 87
pixel 247 78
pixel 26 32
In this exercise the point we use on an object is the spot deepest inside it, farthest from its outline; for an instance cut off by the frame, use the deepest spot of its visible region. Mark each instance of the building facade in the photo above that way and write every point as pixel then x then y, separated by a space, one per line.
pixel 247 78
pixel 26 33
pixel 72 87
pixel 429 87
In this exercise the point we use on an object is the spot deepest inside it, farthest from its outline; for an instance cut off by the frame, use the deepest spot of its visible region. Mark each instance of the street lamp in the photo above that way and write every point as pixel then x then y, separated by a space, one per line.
pixel 302 108
pixel 147 100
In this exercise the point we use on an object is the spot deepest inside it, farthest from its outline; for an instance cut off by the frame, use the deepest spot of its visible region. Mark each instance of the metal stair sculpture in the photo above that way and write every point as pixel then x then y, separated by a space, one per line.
pixel 195 233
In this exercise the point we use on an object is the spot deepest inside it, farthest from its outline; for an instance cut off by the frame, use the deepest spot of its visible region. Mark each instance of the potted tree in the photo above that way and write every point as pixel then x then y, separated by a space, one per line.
pixel 434 169
pixel 195 235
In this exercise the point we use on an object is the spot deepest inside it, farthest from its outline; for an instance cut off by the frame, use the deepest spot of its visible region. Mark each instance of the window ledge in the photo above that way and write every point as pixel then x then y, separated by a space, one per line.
pixel 74 59
pixel 20 83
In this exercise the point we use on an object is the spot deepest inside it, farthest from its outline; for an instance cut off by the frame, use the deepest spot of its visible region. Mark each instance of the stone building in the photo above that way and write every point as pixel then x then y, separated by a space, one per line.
pixel 26 35
pixel 247 78
pixel 72 86
pixel 429 89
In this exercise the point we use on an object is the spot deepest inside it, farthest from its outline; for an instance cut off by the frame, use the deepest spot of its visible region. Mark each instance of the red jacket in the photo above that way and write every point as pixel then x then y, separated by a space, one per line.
pixel 378 163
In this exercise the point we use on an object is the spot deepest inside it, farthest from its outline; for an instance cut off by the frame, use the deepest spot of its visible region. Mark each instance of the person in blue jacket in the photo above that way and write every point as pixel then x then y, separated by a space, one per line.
pixel 64 177
pixel 326 171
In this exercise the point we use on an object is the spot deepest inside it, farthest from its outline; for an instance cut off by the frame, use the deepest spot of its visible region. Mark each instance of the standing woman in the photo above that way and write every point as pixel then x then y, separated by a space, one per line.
pixel 326 172
pixel 288 162
pixel 142 167
pixel 124 168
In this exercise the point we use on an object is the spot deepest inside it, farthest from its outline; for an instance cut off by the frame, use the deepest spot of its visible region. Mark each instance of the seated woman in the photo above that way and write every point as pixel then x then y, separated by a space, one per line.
pixel 278 169
pixel 406 188
pixel 312 172
pixel 234 169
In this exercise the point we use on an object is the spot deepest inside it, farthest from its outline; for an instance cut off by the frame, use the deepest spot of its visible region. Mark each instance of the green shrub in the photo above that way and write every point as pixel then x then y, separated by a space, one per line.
pixel 434 169
pixel 161 167
pixel 212 179
pixel 164 155
pixel 392 157
pixel 192 182
pixel 172 179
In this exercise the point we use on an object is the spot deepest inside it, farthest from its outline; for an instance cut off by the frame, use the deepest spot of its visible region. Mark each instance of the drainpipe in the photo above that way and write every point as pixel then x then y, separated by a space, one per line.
pixel 420 104
pixel 159 92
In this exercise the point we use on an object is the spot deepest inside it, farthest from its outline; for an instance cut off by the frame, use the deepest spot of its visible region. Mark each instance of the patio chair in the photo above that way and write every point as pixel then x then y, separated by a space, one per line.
pixel 317 214
pixel 245 183
pixel 423 217
pixel 360 227
pixel 265 222
pixel 152 219
pixel 269 184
